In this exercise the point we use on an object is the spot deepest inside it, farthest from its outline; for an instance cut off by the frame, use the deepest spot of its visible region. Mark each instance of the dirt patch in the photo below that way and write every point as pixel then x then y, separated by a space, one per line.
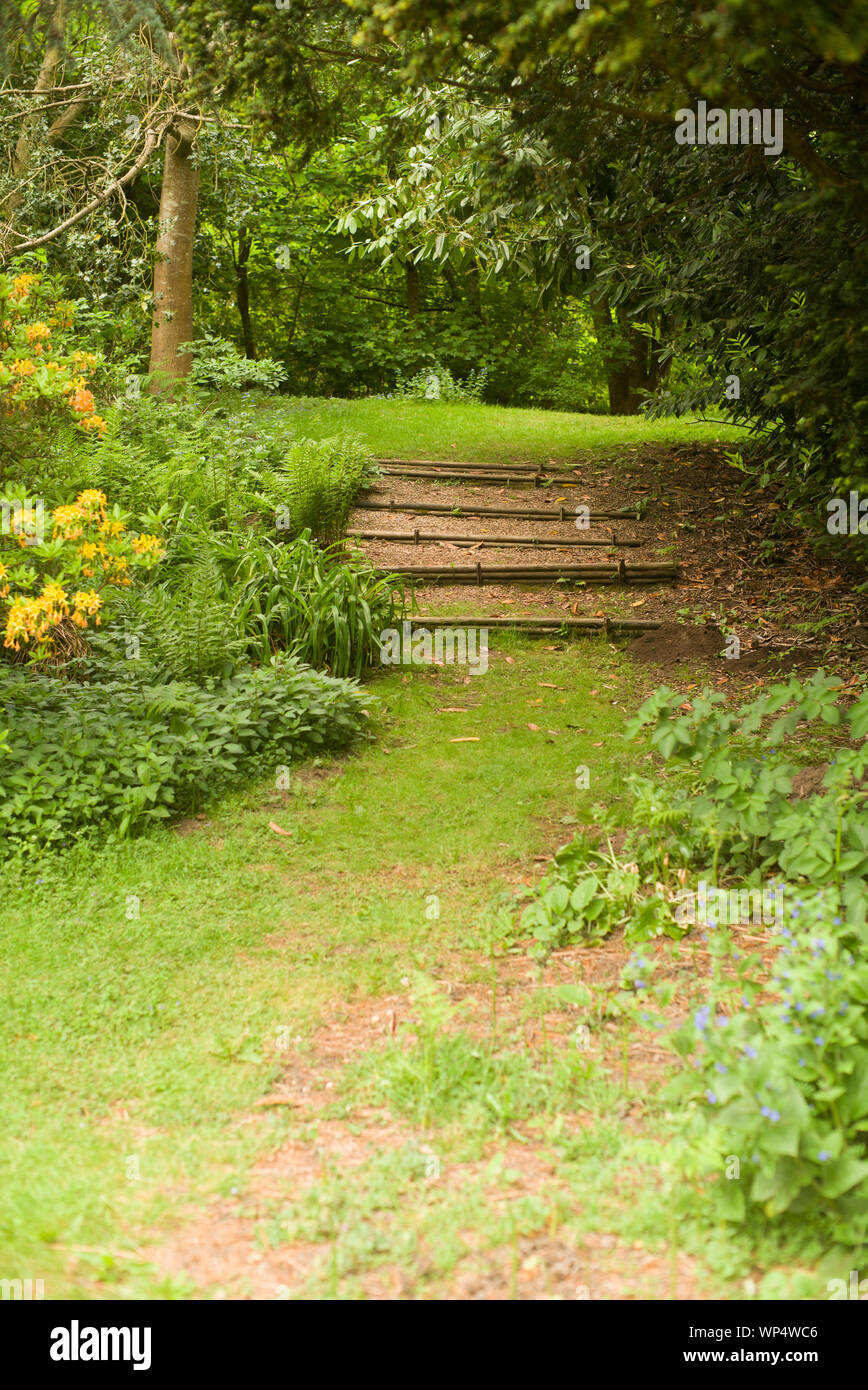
pixel 809 780
pixel 673 644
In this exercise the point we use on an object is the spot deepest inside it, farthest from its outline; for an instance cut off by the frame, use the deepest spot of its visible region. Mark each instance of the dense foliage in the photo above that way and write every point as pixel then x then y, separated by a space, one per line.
pixel 777 1074
pixel 115 757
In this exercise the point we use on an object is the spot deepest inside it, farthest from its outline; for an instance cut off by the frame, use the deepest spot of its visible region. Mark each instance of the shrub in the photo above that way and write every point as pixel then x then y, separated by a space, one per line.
pixel 777 1074
pixel 230 596
pixel 218 364
pixel 730 806
pixel 88 546
pixel 307 601
pixel 43 376
pixel 781 1084
pixel 112 759
pixel 436 383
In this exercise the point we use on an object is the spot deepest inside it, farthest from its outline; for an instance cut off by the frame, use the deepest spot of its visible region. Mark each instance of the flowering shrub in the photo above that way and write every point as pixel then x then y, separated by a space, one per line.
pixel 42 374
pixel 48 583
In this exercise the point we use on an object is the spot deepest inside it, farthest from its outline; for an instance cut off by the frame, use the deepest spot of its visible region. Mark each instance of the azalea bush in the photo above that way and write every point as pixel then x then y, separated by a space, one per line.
pixel 57 574
pixel 44 377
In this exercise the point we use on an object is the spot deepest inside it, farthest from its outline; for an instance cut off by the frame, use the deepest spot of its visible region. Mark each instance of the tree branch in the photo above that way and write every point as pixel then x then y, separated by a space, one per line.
pixel 152 140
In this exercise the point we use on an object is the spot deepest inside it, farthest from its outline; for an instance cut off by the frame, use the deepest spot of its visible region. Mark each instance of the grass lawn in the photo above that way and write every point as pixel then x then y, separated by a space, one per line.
pixel 488 433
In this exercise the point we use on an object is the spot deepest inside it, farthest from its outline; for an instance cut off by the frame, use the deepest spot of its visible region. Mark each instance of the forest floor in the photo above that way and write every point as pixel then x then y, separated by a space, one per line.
pixel 309 1069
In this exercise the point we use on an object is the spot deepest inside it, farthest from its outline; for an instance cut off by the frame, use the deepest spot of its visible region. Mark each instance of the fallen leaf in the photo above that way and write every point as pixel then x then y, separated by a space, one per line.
pixel 534 728
pixel 464 740
pixel 271 1100
pixel 278 829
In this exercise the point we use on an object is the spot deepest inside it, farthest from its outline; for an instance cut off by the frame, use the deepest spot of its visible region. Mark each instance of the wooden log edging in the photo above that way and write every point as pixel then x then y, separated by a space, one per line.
pixel 447 475
pixel 619 573
pixel 418 537
pixel 542 624
pixel 525 513
pixel 463 467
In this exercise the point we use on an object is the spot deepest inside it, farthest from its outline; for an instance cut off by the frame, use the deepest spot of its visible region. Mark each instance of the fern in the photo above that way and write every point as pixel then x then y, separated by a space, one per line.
pixel 316 484
pixel 186 630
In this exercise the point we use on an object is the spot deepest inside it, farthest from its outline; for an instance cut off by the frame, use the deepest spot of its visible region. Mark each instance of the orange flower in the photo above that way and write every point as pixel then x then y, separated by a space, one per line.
pixel 82 402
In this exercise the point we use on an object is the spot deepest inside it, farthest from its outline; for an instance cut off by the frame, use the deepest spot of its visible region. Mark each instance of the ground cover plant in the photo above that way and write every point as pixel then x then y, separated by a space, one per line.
pixel 116 756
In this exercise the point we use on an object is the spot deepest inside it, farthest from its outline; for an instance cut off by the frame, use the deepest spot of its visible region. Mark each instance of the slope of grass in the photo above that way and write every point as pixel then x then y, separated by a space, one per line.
pixel 439 429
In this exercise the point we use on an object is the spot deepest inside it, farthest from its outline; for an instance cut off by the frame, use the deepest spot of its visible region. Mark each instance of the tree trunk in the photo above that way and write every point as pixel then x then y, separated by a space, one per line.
pixel 173 270
pixel 414 289
pixel 242 291
pixel 631 364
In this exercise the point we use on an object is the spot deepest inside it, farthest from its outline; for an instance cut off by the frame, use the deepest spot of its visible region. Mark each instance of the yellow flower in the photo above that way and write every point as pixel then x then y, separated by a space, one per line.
pixel 20 622
pixel 93 422
pixel 91 500
pixel 22 366
pixel 52 600
pixel 142 545
pixel 21 285
pixel 87 601
pixel 68 522
pixel 35 331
